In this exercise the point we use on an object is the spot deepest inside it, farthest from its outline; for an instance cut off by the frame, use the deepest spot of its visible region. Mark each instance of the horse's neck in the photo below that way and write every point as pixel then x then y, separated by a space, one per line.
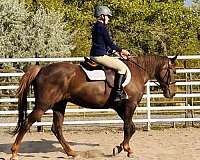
pixel 150 65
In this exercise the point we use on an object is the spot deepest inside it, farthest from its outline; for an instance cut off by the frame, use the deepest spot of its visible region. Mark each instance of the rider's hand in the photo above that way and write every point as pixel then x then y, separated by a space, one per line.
pixel 124 53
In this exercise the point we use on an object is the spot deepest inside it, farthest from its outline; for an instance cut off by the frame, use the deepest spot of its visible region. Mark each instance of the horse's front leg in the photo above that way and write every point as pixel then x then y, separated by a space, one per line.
pixel 129 130
pixel 126 113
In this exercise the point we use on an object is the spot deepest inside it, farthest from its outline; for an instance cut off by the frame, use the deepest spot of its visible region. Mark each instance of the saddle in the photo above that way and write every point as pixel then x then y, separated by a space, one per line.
pixel 97 72
pixel 91 65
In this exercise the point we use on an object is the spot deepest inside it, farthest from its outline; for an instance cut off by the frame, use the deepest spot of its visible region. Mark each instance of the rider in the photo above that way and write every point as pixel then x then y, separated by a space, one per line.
pixel 101 42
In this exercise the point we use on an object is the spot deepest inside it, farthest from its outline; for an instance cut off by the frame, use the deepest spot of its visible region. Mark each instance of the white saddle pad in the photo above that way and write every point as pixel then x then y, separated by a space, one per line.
pixel 96 75
pixel 99 75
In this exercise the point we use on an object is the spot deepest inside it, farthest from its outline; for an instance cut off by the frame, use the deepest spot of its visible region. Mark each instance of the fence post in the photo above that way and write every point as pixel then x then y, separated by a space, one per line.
pixel 39 128
pixel 188 90
pixel 148 107
pixel 192 99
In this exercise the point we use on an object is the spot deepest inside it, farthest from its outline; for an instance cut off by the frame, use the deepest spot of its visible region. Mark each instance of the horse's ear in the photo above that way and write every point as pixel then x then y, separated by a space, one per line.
pixel 173 59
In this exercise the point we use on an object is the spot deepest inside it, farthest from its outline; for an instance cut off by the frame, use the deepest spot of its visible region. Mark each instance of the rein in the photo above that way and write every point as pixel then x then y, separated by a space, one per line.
pixel 134 63
pixel 141 68
pixel 157 84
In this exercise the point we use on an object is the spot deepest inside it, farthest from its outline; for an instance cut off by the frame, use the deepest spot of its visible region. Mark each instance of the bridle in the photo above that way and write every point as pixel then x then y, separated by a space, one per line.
pixel 168 74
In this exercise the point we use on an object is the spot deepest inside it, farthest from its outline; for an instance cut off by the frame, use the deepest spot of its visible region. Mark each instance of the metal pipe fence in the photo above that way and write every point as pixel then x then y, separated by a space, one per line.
pixel 148 96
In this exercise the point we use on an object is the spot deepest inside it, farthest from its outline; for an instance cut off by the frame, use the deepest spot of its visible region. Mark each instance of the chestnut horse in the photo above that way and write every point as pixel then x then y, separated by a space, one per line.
pixel 59 83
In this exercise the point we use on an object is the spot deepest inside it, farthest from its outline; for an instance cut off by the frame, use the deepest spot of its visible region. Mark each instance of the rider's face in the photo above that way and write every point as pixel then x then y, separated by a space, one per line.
pixel 106 19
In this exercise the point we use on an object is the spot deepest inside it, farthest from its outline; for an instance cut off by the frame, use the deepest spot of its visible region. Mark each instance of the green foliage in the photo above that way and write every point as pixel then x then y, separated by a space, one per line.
pixel 29 34
pixel 163 27
pixel 12 16
pixel 46 34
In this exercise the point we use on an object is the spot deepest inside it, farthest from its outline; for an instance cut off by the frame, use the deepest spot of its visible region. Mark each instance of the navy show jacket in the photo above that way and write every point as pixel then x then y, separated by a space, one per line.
pixel 101 41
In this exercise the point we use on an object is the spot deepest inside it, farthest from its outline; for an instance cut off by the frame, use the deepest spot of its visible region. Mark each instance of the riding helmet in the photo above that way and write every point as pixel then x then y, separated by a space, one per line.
pixel 102 10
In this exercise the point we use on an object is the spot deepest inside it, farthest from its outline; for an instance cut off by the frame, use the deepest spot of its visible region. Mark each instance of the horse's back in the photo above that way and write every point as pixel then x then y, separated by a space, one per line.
pixel 59 67
pixel 52 83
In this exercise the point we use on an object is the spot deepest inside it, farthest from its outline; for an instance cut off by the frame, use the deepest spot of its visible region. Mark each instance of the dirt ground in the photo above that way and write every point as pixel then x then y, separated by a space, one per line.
pixel 97 144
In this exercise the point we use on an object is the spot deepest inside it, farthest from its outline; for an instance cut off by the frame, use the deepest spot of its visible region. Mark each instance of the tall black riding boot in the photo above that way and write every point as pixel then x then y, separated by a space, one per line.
pixel 118 92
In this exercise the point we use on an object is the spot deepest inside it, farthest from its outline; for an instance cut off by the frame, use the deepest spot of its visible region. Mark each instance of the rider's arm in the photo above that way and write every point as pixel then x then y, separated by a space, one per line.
pixel 118 51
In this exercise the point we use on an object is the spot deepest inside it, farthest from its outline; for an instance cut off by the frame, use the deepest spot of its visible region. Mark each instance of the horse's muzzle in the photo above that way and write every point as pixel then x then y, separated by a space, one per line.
pixel 169 93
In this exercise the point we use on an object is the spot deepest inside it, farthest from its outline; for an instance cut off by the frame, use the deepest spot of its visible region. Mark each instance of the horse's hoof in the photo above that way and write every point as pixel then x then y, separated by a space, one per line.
pixel 72 153
pixel 15 158
pixel 130 154
pixel 117 150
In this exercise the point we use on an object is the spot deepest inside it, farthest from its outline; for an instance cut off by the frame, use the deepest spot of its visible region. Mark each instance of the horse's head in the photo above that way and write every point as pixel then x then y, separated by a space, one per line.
pixel 165 76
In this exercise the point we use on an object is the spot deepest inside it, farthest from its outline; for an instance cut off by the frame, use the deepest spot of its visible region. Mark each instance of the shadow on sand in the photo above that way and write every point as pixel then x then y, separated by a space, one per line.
pixel 42 146
pixel 47 146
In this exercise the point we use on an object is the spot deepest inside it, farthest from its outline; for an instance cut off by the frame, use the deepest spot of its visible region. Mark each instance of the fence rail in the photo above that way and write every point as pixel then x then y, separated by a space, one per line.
pixel 148 96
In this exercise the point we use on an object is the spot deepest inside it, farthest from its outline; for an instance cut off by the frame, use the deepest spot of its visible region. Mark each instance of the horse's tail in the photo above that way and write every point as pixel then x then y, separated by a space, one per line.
pixel 21 93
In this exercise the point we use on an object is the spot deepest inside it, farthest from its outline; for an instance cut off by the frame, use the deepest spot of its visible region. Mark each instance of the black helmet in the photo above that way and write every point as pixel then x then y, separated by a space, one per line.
pixel 102 10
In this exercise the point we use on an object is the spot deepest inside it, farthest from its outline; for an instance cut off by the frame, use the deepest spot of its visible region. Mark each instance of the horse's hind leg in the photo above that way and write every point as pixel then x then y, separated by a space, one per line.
pixel 58 118
pixel 35 115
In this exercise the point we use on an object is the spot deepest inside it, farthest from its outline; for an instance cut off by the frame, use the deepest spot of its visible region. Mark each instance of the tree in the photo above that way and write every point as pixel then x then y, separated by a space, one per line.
pixel 159 27
pixel 12 17
pixel 162 27
pixel 46 34
pixel 25 33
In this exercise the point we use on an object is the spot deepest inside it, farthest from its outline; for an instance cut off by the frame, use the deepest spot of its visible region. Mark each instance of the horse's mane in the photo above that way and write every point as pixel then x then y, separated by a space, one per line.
pixel 148 63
